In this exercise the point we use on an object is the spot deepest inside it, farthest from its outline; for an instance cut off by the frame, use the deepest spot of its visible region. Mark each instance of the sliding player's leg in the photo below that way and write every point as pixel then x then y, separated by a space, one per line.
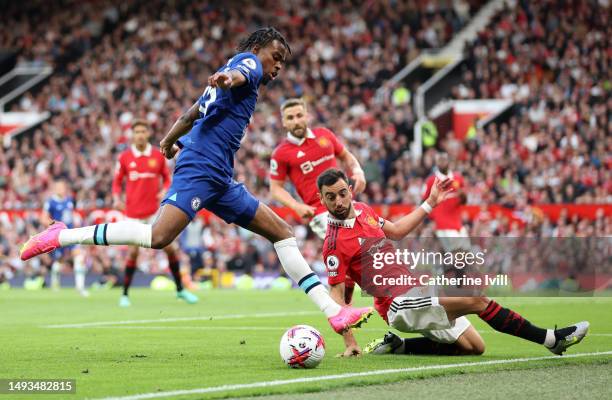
pixel 171 221
pixel 460 339
pixel 175 268
pixel 510 322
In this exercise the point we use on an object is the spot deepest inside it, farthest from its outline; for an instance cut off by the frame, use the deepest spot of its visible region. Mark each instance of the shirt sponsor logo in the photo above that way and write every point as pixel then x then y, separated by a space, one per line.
pixel 309 166
pixel 135 175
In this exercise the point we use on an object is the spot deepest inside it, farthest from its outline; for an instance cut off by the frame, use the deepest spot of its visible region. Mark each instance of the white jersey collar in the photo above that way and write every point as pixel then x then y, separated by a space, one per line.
pixel 298 141
pixel 345 223
pixel 146 152
pixel 441 176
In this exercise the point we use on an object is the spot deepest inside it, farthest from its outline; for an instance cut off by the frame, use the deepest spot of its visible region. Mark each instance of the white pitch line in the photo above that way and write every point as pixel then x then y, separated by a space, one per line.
pixel 205 318
pixel 204 328
pixel 263 328
pixel 225 388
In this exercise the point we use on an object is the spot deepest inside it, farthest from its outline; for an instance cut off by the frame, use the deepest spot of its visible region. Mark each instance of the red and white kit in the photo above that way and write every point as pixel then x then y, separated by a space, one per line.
pixel 145 172
pixel 346 251
pixel 447 215
pixel 303 160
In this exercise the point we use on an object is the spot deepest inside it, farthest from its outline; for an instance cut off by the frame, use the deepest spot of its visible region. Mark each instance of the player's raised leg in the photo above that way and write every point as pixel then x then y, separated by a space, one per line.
pixel 268 224
pixel 175 269
pixel 171 221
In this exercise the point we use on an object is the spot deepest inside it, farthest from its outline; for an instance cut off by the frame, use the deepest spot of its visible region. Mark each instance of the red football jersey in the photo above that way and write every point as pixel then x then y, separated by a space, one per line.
pixel 145 172
pixel 304 160
pixel 349 246
pixel 447 215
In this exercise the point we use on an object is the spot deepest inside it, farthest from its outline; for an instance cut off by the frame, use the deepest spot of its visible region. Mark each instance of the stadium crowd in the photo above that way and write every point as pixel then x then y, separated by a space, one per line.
pixel 552 59
pixel 116 61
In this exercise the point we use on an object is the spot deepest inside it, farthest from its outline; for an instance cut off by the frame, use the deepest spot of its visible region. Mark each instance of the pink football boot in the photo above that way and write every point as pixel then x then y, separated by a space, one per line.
pixel 350 317
pixel 44 242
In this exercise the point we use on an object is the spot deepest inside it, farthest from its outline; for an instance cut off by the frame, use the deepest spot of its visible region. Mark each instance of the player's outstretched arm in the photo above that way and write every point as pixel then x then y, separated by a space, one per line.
pixel 352 348
pixel 181 127
pixel 227 80
pixel 400 228
pixel 351 164
pixel 279 194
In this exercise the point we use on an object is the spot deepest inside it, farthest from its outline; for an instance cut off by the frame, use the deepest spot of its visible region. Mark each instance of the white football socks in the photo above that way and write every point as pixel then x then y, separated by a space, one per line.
pixel 55 275
pixel 297 268
pixel 125 232
pixel 79 272
pixel 550 339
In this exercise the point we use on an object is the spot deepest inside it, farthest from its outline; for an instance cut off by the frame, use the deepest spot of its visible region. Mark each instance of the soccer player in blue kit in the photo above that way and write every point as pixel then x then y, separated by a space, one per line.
pixel 60 207
pixel 208 136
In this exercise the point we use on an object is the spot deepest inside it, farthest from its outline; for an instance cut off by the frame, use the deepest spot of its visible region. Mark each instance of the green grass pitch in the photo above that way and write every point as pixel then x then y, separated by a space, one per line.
pixel 231 338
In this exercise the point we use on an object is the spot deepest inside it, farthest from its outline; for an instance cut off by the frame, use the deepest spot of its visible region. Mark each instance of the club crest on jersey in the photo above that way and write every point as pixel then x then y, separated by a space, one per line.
pixel 195 203
pixel 152 163
pixel 323 142
pixel 371 221
pixel 332 263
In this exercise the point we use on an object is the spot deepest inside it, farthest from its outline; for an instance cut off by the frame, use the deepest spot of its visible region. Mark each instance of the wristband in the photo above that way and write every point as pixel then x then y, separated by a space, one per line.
pixel 426 207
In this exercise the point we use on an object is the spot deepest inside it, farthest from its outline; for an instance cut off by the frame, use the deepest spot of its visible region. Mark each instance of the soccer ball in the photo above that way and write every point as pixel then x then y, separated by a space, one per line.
pixel 302 347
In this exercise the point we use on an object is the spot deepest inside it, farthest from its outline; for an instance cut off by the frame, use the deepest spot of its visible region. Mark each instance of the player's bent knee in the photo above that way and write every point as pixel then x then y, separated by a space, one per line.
pixel 160 239
pixel 286 230
pixel 478 349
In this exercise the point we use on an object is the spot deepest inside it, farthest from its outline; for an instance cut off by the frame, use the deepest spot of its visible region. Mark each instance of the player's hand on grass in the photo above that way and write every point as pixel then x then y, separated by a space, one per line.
pixel 168 148
pixel 351 351
pixel 304 210
pixel 359 182
pixel 222 80
pixel 440 191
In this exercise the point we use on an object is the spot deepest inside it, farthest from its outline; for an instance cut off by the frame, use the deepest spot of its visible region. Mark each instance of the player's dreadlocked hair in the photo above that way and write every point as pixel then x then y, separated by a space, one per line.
pixel 262 37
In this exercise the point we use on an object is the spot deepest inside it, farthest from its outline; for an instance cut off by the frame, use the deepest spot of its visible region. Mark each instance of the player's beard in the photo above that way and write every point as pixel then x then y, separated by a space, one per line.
pixel 303 133
pixel 342 214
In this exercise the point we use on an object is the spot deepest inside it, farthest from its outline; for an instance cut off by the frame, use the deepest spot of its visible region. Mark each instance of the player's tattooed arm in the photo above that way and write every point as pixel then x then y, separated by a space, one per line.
pixel 400 228
pixel 356 172
pixel 227 80
pixel 181 127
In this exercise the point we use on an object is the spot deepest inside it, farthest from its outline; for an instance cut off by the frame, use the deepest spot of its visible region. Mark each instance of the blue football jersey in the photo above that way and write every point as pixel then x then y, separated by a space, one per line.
pixel 61 210
pixel 224 116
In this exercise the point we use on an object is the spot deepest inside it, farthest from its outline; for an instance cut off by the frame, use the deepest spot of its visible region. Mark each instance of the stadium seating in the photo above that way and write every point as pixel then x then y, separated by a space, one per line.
pixel 118 60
